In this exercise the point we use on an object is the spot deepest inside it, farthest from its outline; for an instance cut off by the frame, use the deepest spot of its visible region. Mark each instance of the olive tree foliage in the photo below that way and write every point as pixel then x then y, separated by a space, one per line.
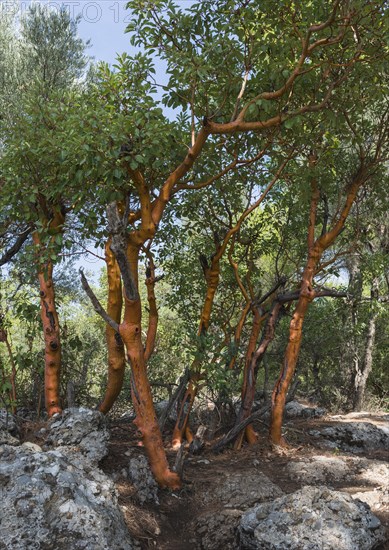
pixel 8 53
pixel 50 60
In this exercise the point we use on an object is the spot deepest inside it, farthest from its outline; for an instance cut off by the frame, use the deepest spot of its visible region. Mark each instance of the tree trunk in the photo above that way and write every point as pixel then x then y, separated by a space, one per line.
pixel 12 377
pixel 153 311
pixel 253 361
pixel 146 420
pixel 353 344
pixel 115 347
pixel 288 369
pixel 51 331
pixel 307 293
pixel 248 386
pixel 181 426
pixel 362 374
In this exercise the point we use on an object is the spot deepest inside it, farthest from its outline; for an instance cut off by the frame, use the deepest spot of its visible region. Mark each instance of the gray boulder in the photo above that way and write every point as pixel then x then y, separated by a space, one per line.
pixel 216 528
pixel 53 500
pixel 6 438
pixel 313 518
pixel 242 489
pixel 354 437
pixel 8 429
pixel 82 430
pixel 321 469
pixel 141 477
pixel 8 423
pixel 161 407
pixel 294 409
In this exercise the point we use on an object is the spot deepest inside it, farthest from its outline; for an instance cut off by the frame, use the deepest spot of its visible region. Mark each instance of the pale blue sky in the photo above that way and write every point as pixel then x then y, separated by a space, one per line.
pixel 104 22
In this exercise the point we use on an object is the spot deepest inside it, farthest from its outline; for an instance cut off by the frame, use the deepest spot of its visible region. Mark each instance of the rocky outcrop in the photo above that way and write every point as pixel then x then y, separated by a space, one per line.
pixel 6 438
pixel 228 500
pixel 82 430
pixel 242 489
pixel 314 518
pixel 364 479
pixel 217 531
pixel 57 500
pixel 7 422
pixel 8 429
pixel 294 409
pixel 321 469
pixel 142 479
pixel 354 437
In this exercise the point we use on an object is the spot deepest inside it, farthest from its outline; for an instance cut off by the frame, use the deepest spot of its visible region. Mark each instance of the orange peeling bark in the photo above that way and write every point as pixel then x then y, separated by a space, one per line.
pixel 307 294
pixel 146 420
pixel 51 332
pixel 115 347
pixel 153 313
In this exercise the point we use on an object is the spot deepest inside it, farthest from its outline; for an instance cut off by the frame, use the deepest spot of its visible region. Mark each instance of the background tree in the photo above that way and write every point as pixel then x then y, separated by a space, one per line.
pixel 52 59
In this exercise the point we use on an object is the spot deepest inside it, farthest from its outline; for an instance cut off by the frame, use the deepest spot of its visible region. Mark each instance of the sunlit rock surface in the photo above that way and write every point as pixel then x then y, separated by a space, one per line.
pixel 313 518
pixel 56 500
pixel 82 430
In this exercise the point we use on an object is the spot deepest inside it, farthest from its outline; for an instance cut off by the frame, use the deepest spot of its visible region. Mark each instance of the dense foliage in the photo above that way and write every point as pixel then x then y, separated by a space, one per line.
pixel 248 193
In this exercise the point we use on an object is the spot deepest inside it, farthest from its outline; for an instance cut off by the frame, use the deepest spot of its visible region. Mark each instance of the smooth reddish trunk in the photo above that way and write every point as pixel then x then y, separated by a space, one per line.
pixel 153 312
pixel 248 386
pixel 181 426
pixel 238 334
pixel 52 340
pixel 307 294
pixel 288 369
pixel 146 420
pixel 253 360
pixel 115 347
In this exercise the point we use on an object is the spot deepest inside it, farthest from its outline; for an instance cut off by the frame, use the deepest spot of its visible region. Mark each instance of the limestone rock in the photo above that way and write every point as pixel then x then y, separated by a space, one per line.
pixel 216 531
pixel 217 527
pixel 319 469
pixel 161 407
pixel 141 477
pixel 6 438
pixel 354 437
pixel 322 469
pixel 8 423
pixel 294 409
pixel 82 430
pixel 32 446
pixel 378 499
pixel 313 518
pixel 8 429
pixel 53 500
pixel 240 490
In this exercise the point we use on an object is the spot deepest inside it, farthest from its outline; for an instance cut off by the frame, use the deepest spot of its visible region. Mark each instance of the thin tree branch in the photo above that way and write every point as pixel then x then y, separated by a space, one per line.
pixel 14 249
pixel 96 304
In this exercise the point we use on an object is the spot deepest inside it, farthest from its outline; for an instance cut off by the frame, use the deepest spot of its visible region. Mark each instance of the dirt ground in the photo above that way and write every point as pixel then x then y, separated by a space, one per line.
pixel 171 525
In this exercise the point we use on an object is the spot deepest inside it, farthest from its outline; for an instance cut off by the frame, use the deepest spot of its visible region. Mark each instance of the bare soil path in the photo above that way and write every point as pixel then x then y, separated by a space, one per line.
pixel 214 484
